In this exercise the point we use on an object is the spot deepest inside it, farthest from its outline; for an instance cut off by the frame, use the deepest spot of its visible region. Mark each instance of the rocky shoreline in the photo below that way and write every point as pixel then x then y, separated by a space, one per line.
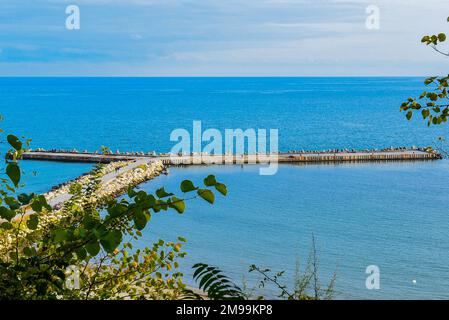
pixel 116 186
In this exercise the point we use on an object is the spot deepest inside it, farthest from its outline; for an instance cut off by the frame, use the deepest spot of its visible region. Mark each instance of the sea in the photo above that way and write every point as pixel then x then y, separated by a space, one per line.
pixel 393 216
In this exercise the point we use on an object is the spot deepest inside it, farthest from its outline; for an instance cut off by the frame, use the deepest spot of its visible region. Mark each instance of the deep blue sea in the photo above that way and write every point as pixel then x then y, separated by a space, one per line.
pixel 393 215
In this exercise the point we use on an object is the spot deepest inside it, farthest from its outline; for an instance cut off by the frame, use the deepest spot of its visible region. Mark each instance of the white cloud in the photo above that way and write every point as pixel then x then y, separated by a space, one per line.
pixel 233 37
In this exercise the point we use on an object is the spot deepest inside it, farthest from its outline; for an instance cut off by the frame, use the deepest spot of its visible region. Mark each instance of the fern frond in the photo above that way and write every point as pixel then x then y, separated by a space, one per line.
pixel 188 294
pixel 215 284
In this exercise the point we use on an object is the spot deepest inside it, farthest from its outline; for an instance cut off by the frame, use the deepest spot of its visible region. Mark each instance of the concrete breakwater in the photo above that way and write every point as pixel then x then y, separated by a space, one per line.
pixel 393 154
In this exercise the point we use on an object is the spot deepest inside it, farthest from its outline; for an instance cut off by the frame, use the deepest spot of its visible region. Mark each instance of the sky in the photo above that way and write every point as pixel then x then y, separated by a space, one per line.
pixel 221 38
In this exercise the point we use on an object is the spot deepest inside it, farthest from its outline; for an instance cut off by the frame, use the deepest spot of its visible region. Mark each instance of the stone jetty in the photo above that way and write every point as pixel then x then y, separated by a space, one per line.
pixel 391 154
pixel 123 170
pixel 114 180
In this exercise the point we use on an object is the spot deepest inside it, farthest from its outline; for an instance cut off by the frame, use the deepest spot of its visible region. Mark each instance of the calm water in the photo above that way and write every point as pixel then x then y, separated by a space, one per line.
pixel 391 215
pixel 140 114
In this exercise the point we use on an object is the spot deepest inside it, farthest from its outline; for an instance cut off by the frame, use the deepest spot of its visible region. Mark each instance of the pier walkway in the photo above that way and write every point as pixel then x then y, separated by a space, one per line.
pixel 65 196
pixel 198 159
pixel 114 182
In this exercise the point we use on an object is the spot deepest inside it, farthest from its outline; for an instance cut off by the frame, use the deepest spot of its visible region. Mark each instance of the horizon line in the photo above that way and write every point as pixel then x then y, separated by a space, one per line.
pixel 214 76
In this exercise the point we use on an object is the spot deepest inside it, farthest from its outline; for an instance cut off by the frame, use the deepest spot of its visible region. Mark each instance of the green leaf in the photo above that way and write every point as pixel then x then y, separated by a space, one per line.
pixel 187 186
pixel 221 188
pixel 81 253
pixel 14 142
pixel 432 96
pixel 425 113
pixel 429 80
pixel 36 205
pixel 33 222
pixel 148 202
pixel 6 225
pixel 116 210
pixel 435 120
pixel 93 248
pixel 207 195
pixel 210 181
pixel 90 221
pixel 13 172
pixel 9 188
pixel 44 203
pixel 25 198
pixel 59 235
pixel 6 213
pixel 13 255
pixel 178 204
pixel 41 203
pixel 160 205
pixel 131 192
pixel 140 220
pixel 100 231
pixel 12 203
pixel 425 39
pixel 409 115
pixel 141 196
pixel 161 193
pixel 111 241
pixel 29 251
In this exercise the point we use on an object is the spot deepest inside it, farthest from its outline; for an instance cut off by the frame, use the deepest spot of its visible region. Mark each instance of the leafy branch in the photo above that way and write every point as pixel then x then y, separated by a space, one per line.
pixel 38 243
pixel 433 102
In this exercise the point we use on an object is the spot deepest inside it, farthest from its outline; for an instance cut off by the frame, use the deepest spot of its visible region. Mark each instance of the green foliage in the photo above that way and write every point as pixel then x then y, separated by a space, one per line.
pixel 207 195
pixel 221 188
pixel 215 284
pixel 307 285
pixel 33 221
pixel 14 142
pixel 13 172
pixel 38 243
pixel 105 150
pixel 177 204
pixel 434 39
pixel 40 246
pixel 187 186
pixel 432 103
pixel 210 181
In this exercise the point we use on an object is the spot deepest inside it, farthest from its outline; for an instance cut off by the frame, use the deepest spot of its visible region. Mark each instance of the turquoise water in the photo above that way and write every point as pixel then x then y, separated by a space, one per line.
pixel 41 176
pixel 140 113
pixel 391 215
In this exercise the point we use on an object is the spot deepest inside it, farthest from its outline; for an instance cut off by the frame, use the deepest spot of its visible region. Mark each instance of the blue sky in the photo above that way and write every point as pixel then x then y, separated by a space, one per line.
pixel 220 38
